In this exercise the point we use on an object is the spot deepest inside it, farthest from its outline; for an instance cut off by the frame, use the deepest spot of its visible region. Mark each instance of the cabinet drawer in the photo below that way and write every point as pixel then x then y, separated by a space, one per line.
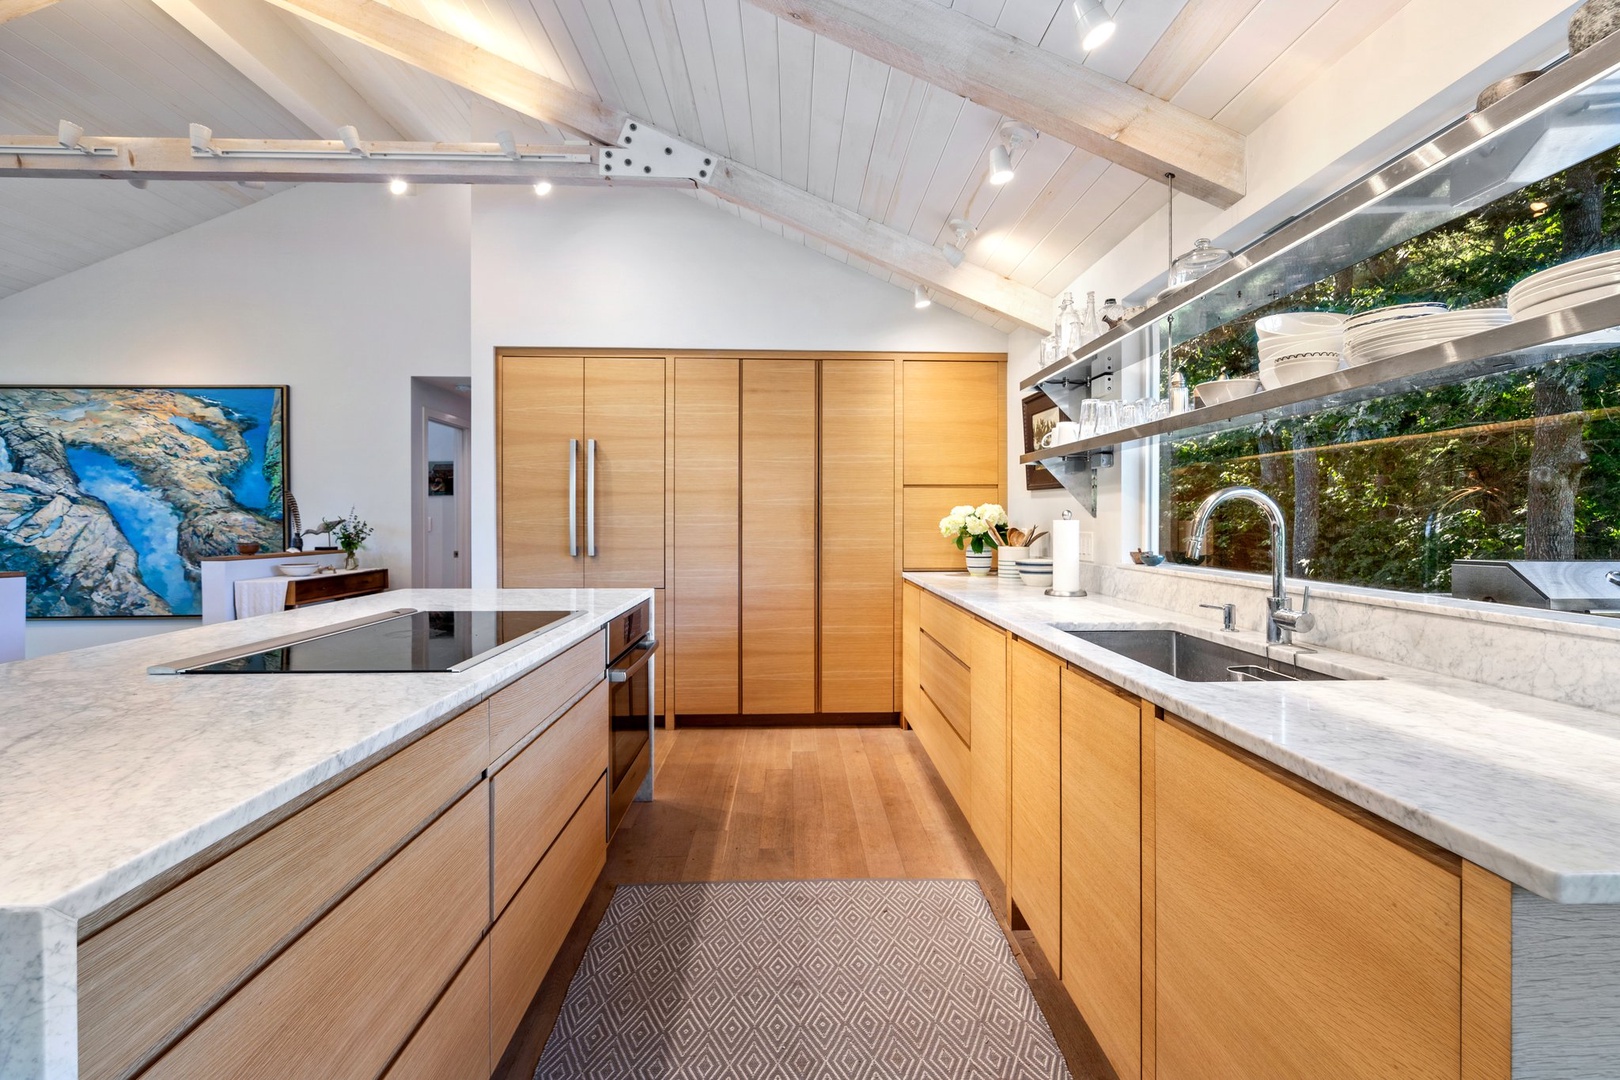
pixel 527 703
pixel 166 962
pixel 536 792
pixel 454 1039
pixel 343 998
pixel 313 590
pixel 527 936
pixel 947 624
pixel 946 682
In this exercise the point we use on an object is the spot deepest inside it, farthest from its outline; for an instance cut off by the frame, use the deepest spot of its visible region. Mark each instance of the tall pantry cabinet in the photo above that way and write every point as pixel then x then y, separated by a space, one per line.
pixel 774 500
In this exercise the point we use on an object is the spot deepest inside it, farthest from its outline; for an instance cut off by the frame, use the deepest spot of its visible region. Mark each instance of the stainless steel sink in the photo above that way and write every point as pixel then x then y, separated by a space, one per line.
pixel 1195 659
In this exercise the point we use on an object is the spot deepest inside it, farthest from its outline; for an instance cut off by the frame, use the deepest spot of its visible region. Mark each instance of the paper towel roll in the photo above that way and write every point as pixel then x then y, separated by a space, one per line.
pixel 1066 555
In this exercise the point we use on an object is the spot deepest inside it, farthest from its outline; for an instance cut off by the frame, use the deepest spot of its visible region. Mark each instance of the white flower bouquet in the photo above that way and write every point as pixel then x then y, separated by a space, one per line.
pixel 978 529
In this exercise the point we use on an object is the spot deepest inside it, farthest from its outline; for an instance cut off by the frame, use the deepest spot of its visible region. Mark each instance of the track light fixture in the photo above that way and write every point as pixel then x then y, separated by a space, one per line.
pixel 508 145
pixel 1011 136
pixel 920 298
pixel 955 253
pixel 68 134
pixel 1096 25
pixel 543 187
pixel 399 187
pixel 351 140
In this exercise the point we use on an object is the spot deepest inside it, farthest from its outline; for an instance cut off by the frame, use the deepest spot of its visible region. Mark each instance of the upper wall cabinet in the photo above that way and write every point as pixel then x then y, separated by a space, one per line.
pixel 953 424
pixel 581 471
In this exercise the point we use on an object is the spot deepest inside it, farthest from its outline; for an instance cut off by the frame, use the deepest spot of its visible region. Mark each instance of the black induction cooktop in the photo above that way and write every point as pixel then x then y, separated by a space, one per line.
pixel 395 641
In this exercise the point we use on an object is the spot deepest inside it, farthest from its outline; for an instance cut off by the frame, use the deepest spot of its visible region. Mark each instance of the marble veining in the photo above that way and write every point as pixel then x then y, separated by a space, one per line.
pixel 109 776
pixel 1525 787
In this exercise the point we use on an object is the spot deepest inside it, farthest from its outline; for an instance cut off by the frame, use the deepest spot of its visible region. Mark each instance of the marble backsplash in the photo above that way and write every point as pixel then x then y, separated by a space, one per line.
pixel 1573 659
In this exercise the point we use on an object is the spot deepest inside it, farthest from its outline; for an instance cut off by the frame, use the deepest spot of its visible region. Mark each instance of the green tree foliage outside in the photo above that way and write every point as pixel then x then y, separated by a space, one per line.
pixel 1388 492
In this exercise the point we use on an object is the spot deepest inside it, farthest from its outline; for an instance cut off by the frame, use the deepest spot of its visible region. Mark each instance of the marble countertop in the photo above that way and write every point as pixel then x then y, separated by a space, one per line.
pixel 1527 788
pixel 109 776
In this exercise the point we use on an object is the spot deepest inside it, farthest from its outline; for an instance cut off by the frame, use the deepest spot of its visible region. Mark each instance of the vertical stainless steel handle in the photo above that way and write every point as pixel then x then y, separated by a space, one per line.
pixel 590 497
pixel 573 498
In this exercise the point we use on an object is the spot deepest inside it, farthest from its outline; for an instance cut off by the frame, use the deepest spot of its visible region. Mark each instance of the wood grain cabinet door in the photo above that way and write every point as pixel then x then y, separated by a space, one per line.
pixel 1036 861
pixel 945 399
pixel 779 494
pixel 540 404
pixel 624 418
pixel 1102 864
pixel 858 575
pixel 1296 936
pixel 706 590
pixel 988 694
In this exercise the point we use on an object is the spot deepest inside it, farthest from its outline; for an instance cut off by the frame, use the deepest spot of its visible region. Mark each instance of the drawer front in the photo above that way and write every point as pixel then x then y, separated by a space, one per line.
pixel 454 1039
pixel 536 792
pixel 167 961
pixel 344 997
pixel 526 938
pixel 947 624
pixel 541 694
pixel 332 586
pixel 946 681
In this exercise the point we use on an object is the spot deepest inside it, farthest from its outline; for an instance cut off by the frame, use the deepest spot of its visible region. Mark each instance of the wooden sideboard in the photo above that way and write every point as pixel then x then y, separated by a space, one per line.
pixel 342 585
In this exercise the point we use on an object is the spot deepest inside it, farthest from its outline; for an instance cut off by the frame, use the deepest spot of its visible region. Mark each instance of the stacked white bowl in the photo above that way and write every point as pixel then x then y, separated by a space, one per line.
pixel 1299 345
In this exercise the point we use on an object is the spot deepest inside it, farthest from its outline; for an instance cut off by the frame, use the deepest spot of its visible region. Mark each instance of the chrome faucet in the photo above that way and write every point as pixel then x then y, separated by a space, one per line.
pixel 1282 621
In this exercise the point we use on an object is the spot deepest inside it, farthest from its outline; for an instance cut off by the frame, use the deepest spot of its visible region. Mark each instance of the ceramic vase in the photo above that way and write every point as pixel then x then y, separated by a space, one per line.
pixel 978 564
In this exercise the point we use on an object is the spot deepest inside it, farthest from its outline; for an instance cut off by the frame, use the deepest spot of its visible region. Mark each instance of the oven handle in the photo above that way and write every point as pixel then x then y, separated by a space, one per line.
pixel 633 660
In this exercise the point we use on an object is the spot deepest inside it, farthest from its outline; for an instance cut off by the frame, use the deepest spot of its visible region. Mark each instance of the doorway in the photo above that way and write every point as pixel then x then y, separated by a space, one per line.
pixel 441 532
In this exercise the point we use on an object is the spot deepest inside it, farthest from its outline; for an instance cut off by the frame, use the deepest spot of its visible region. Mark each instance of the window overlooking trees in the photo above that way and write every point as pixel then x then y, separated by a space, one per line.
pixel 1388 492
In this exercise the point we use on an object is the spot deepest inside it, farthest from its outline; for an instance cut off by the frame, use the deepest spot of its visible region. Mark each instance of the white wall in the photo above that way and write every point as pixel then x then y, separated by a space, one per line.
pixel 342 292
pixel 345 292
pixel 653 268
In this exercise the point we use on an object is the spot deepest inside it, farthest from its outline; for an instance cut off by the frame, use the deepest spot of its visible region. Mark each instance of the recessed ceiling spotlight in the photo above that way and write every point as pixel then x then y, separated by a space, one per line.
pixel 1011 136
pixel 920 298
pixel 1096 25
pixel 398 187
pixel 543 187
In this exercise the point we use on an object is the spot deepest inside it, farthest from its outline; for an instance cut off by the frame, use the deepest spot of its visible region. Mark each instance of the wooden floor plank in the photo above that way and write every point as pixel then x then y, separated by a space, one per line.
pixel 773 803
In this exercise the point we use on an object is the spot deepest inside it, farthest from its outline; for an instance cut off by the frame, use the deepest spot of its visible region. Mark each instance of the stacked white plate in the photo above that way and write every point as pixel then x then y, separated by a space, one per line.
pixel 1391 313
pixel 1380 341
pixel 1595 277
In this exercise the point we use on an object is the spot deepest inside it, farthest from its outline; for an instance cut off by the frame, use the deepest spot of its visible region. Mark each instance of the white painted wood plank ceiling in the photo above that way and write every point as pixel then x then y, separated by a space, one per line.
pixel 722 73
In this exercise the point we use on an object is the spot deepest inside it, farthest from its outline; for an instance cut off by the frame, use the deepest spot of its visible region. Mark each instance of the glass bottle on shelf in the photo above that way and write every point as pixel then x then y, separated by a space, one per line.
pixel 1090 329
pixel 1112 313
pixel 1049 354
pixel 1180 394
pixel 1068 326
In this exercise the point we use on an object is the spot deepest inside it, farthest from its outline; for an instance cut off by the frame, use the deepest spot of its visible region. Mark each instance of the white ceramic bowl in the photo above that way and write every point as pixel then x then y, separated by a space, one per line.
pixel 1220 391
pixel 1277 348
pixel 1036 579
pixel 1293 323
pixel 297 569
pixel 1393 313
pixel 1300 368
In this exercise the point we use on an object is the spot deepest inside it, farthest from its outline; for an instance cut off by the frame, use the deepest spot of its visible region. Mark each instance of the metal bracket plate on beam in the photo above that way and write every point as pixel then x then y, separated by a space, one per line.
pixel 644 151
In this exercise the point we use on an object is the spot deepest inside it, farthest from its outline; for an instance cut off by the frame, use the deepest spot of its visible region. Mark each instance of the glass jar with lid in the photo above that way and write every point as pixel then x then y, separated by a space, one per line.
pixel 1193 265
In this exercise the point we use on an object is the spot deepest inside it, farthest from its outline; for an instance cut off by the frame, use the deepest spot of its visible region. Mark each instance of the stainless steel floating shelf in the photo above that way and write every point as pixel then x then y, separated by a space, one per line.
pixel 1576 331
pixel 1562 118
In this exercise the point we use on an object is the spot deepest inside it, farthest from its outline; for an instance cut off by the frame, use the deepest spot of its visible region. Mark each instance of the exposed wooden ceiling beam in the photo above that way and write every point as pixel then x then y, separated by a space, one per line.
pixel 532 94
pixel 1197 31
pixel 16 9
pixel 255 41
pixel 1052 93
pixel 297 161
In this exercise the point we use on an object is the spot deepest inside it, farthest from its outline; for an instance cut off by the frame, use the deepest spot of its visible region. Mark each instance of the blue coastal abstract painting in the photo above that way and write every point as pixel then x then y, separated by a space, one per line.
pixel 110 497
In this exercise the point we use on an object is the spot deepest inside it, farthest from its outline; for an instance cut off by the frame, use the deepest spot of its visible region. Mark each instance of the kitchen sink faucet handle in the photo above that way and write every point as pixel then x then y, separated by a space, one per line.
pixel 1228 614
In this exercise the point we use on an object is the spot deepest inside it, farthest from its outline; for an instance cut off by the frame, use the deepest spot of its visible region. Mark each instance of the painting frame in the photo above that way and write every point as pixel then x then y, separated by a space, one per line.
pixel 279 415
pixel 1039 409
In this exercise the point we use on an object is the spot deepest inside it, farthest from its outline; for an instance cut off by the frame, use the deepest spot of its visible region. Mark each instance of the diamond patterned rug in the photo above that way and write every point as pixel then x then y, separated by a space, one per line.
pixel 800 980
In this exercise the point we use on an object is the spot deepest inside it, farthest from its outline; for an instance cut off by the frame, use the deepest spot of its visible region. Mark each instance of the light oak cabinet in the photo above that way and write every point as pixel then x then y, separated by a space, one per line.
pixel 1102 863
pixel 944 467
pixel 954 696
pixel 363 929
pixel 1212 916
pixel 1295 937
pixel 600 421
pixel 779 501
pixel 1035 879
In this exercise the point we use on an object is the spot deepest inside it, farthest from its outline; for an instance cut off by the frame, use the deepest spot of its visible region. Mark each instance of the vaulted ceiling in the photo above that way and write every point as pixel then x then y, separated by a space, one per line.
pixel 803 109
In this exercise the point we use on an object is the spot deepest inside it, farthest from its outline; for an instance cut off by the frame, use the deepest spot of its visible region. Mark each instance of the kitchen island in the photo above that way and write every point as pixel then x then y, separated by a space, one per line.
pixel 1447 851
pixel 285 820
